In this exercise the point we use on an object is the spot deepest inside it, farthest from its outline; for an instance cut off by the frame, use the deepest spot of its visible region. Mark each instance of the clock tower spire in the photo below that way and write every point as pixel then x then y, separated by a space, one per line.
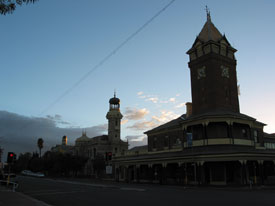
pixel 213 72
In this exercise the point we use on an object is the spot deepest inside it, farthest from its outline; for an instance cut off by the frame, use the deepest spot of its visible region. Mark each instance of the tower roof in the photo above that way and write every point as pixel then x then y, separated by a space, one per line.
pixel 114 100
pixel 209 32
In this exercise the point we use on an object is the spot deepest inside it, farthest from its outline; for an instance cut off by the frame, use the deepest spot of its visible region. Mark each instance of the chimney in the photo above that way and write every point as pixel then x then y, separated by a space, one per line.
pixel 188 109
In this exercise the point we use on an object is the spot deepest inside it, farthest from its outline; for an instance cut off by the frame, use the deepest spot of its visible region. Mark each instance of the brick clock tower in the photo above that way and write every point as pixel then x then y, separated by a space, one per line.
pixel 213 72
pixel 114 119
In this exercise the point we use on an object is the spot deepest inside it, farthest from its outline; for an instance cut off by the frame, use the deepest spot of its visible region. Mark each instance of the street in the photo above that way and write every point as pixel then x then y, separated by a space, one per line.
pixel 65 192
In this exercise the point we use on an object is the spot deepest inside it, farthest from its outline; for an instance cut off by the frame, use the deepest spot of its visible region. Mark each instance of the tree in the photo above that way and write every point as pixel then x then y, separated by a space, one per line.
pixel 99 165
pixel 40 142
pixel 23 162
pixel 8 6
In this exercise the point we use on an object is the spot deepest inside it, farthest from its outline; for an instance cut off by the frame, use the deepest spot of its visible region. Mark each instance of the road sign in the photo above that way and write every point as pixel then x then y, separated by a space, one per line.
pixel 189 139
pixel 109 169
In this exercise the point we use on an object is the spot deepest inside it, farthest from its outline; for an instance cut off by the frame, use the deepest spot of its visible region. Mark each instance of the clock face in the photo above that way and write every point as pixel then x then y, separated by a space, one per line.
pixel 225 71
pixel 201 72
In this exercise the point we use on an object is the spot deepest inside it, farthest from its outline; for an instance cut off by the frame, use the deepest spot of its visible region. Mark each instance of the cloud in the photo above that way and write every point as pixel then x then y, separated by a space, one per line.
pixel 153 99
pixel 135 114
pixel 144 125
pixel 165 116
pixel 19 133
pixel 58 119
pixel 172 99
pixel 139 93
pixel 136 140
pixel 124 121
pixel 98 129
pixel 180 105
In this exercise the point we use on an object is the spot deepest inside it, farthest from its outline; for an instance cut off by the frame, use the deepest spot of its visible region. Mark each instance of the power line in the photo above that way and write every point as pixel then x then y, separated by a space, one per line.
pixel 107 57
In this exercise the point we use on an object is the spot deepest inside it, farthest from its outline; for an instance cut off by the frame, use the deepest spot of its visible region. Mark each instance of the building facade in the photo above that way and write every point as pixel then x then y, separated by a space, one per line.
pixel 213 143
pixel 103 147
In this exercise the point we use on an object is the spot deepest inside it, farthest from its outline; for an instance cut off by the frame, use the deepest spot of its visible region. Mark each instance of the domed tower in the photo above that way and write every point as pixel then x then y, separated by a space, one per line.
pixel 114 117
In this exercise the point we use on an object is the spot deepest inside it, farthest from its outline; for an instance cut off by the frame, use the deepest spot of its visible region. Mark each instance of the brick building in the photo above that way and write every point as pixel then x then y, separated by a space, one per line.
pixel 213 143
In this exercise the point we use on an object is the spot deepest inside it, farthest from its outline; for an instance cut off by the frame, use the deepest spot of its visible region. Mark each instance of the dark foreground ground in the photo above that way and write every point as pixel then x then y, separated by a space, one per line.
pixel 86 192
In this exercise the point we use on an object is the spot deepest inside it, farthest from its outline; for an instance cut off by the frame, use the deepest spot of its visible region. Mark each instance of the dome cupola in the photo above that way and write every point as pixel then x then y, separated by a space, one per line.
pixel 114 102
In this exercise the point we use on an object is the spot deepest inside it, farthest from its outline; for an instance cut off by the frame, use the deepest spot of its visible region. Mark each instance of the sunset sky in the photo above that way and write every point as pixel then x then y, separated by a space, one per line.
pixel 49 46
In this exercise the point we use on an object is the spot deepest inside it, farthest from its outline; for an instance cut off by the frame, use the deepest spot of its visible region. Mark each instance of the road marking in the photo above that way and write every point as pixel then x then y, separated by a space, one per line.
pixel 81 183
pixel 56 193
pixel 132 189
pixel 97 185
pixel 39 191
pixel 104 186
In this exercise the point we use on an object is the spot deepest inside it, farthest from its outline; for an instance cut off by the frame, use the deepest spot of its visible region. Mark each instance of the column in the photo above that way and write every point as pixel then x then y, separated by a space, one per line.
pixel 137 173
pixel 150 173
pixel 261 170
pixel 245 175
pixel 201 174
pixel 163 174
pixel 205 133
pixel 230 132
pixel 185 174
pixel 225 176
pixel 195 172
pixel 126 169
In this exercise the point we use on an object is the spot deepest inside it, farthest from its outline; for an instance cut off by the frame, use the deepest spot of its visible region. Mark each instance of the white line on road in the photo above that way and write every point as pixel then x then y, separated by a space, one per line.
pixel 132 189
pixel 96 185
pixel 39 191
pixel 57 193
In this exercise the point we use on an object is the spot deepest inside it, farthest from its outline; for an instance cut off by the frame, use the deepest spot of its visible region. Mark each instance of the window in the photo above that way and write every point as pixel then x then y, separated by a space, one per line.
pixel 166 141
pixel 154 143
pixel 244 132
pixel 178 141
pixel 256 138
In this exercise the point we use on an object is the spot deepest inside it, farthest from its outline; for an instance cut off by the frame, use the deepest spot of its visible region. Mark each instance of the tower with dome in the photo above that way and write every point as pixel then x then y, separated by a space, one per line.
pixel 103 147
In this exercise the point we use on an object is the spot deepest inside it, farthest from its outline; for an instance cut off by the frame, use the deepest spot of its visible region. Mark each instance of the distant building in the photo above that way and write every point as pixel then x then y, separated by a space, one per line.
pixel 63 148
pixel 104 146
pixel 213 143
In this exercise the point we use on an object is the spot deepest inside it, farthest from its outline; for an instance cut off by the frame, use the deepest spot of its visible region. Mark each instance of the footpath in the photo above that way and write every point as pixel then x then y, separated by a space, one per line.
pixel 10 198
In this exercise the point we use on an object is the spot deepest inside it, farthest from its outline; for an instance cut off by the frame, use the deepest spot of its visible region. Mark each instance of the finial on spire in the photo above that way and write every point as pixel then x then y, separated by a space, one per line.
pixel 115 93
pixel 207 13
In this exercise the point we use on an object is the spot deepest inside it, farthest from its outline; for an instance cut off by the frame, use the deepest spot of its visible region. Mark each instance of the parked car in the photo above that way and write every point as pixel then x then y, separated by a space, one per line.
pixel 32 174
pixel 26 172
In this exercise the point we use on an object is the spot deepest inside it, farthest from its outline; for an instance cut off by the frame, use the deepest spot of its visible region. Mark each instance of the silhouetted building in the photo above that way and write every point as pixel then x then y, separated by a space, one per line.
pixel 213 143
pixel 63 148
pixel 104 146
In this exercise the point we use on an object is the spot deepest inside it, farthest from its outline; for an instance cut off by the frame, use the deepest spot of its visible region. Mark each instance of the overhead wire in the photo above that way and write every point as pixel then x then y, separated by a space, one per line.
pixel 107 57
pixel 102 61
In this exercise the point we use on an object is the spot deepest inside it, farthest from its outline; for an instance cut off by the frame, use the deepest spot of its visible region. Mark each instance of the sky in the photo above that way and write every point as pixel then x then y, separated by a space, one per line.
pixel 48 46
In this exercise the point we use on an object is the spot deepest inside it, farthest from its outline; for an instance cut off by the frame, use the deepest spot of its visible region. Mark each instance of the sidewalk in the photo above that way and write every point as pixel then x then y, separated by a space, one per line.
pixel 193 187
pixel 9 198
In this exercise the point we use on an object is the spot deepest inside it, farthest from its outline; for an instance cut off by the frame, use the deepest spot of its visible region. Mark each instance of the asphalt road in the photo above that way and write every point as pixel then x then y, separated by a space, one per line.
pixel 64 192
